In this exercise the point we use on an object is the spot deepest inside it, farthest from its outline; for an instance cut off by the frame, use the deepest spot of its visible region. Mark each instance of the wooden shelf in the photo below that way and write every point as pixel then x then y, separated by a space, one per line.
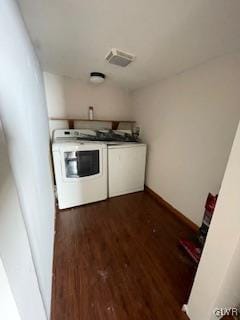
pixel 95 120
pixel 115 123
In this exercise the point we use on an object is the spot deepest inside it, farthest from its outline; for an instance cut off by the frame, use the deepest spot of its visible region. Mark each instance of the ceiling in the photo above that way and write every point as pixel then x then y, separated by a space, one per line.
pixel 72 37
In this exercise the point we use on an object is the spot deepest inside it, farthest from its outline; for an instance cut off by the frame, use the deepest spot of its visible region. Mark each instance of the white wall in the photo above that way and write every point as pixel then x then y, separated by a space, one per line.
pixel 8 308
pixel 189 123
pixel 230 290
pixel 15 250
pixel 71 98
pixel 24 117
pixel 67 97
pixel 217 280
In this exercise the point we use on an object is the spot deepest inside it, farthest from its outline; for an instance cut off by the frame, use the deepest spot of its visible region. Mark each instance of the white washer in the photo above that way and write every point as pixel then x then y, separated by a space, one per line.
pixel 126 168
pixel 80 169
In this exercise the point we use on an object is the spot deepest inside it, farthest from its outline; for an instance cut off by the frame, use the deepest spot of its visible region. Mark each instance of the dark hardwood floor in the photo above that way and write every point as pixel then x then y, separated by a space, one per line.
pixel 119 259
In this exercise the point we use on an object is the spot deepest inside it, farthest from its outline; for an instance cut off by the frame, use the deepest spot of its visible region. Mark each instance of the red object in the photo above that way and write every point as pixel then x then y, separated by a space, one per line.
pixel 211 203
pixel 192 249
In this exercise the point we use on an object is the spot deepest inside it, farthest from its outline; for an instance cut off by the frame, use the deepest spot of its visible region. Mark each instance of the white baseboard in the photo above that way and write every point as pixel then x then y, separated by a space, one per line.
pixel 185 309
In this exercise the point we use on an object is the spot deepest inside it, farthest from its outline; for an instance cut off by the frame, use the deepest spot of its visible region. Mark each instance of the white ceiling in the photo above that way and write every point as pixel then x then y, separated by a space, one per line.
pixel 72 37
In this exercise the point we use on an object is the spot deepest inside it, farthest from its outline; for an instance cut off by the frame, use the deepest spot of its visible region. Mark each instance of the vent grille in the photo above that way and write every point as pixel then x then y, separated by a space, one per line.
pixel 109 56
pixel 119 58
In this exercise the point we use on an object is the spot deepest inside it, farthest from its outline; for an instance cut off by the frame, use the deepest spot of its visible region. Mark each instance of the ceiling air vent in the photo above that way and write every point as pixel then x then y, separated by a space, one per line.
pixel 119 58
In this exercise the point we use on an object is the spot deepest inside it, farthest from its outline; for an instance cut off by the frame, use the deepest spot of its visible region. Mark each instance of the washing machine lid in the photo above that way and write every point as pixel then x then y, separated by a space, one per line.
pixel 119 145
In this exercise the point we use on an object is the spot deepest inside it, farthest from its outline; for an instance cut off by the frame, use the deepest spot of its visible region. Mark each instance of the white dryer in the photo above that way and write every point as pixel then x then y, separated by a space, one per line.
pixel 126 167
pixel 80 169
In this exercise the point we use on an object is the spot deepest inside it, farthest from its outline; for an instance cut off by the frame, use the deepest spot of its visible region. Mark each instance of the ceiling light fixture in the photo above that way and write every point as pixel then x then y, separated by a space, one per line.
pixel 97 77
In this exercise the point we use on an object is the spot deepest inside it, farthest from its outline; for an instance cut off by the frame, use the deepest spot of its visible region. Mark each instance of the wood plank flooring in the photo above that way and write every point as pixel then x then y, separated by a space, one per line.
pixel 119 259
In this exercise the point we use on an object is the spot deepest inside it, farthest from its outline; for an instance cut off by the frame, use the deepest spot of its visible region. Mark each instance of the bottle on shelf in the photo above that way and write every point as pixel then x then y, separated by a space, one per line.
pixel 90 113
